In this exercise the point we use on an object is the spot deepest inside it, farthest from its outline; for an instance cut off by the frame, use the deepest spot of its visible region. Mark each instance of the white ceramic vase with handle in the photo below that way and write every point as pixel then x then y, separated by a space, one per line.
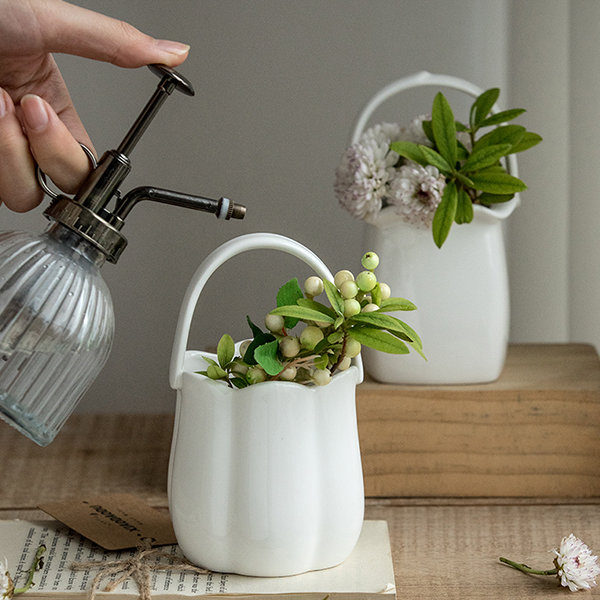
pixel 264 480
pixel 461 290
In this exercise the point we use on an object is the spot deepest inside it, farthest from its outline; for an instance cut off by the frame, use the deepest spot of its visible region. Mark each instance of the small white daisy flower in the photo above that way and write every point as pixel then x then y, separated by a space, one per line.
pixel 577 566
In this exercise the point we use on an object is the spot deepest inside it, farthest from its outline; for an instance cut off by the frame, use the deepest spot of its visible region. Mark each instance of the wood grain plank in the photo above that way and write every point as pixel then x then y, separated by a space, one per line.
pixel 534 432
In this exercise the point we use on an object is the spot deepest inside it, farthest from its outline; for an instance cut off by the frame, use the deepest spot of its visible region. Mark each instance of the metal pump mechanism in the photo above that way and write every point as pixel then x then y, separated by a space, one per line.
pixel 87 213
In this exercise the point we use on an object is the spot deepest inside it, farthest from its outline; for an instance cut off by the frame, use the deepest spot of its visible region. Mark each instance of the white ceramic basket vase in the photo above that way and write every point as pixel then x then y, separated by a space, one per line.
pixel 461 290
pixel 266 480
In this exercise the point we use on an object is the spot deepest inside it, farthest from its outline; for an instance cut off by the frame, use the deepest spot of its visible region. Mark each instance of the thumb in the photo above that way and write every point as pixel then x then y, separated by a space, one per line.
pixel 75 30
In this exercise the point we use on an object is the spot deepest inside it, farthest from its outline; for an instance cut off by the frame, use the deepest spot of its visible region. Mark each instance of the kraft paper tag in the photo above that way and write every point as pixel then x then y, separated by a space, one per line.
pixel 115 521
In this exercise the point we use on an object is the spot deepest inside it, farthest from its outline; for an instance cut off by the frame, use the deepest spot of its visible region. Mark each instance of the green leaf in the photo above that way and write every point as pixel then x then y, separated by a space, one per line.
pixel 266 357
pixel 485 157
pixel 444 214
pixel 461 151
pixel 322 346
pixel 338 321
pixel 376 294
pixel 383 321
pixel 428 130
pixel 464 207
pixel 378 340
pixel 239 382
pixel 444 128
pixel 497 182
pixel 336 337
pixel 409 150
pixel 505 134
pixel 436 159
pixel 321 362
pixel 486 198
pixel 210 361
pixel 259 340
pixel 334 297
pixel 482 106
pixel 417 347
pixel 391 304
pixel 254 328
pixel 527 141
pixel 307 303
pixel 502 117
pixel 289 293
pixel 215 372
pixel 302 312
pixel 463 179
pixel 225 350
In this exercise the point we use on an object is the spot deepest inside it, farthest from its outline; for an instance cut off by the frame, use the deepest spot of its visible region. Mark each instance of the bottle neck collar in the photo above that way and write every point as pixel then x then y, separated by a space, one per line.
pixel 63 235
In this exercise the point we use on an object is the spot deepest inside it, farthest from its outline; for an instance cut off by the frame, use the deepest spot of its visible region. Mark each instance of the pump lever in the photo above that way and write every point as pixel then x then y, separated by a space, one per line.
pixel 170 80
pixel 222 208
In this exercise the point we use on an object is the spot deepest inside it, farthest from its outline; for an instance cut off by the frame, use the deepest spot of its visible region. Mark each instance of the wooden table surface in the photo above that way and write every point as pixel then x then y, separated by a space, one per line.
pixel 442 547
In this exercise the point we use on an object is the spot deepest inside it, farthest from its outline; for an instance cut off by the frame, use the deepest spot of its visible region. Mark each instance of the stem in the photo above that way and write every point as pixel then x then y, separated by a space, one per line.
pixel 525 569
pixel 35 565
pixel 341 356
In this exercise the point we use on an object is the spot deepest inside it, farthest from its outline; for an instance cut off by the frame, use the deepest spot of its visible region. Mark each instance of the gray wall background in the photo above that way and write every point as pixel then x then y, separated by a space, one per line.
pixel 279 85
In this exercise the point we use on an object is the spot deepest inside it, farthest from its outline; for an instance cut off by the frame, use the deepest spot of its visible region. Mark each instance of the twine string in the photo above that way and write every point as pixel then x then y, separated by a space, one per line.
pixel 138 567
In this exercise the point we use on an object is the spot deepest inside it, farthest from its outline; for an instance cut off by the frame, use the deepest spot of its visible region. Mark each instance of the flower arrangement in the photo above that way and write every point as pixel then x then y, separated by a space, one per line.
pixel 434 170
pixel 331 335
pixel 574 565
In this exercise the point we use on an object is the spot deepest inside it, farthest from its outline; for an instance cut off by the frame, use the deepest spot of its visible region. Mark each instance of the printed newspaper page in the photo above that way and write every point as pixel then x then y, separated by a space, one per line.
pixel 368 571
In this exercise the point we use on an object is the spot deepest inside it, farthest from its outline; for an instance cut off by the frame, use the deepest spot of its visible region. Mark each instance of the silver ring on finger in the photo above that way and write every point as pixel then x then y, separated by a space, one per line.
pixel 42 178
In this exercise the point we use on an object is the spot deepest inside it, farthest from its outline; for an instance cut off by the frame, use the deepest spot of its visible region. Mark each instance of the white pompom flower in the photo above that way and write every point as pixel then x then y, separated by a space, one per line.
pixel 415 193
pixel 577 566
pixel 367 167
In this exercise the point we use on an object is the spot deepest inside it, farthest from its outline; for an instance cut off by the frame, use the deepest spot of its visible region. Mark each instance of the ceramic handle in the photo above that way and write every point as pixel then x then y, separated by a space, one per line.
pixel 421 79
pixel 243 243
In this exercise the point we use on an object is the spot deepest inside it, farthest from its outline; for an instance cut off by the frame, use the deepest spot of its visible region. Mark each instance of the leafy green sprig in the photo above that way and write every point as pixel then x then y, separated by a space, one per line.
pixel 474 175
pixel 332 334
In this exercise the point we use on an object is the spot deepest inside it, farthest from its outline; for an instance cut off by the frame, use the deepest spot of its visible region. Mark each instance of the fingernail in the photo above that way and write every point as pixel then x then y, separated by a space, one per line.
pixel 173 47
pixel 2 104
pixel 34 112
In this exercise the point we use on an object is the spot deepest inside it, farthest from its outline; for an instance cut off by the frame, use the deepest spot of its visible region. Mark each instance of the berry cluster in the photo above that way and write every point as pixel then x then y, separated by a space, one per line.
pixel 330 338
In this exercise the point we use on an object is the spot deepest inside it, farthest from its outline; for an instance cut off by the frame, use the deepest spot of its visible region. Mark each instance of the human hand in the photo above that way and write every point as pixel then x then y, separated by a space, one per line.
pixel 38 122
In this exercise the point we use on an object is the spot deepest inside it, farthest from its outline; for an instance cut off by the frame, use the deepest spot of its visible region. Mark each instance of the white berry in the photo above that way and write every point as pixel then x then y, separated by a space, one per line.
pixel 256 375
pixel 366 281
pixel 370 260
pixel 349 289
pixel 289 346
pixel 274 323
pixel 342 276
pixel 352 348
pixel 351 307
pixel 367 308
pixel 310 337
pixel 344 363
pixel 313 286
pixel 385 291
pixel 288 374
pixel 321 376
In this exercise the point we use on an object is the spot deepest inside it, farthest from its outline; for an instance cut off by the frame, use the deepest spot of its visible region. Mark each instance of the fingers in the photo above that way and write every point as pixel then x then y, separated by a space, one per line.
pixel 75 30
pixel 18 187
pixel 53 146
pixel 39 132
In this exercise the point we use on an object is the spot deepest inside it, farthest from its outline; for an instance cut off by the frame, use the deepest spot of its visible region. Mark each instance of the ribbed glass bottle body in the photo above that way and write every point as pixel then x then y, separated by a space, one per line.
pixel 56 328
